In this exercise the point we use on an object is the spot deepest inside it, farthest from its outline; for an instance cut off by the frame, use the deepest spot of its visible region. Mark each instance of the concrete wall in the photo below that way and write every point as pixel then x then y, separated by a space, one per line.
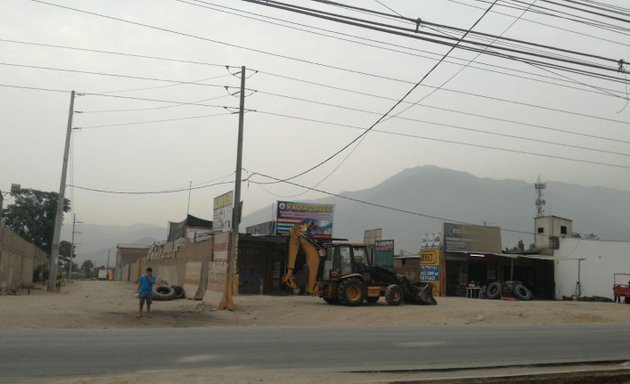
pixel 18 260
pixel 601 260
pixel 173 269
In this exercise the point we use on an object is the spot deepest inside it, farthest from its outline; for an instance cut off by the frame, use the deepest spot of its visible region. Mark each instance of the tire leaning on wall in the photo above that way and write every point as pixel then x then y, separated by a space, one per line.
pixel 163 293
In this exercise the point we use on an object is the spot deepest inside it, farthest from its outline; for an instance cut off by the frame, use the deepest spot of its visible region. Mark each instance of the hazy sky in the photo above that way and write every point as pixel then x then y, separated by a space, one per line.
pixel 168 155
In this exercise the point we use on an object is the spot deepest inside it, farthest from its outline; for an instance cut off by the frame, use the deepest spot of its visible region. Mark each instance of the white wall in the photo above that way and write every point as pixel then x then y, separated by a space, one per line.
pixel 602 259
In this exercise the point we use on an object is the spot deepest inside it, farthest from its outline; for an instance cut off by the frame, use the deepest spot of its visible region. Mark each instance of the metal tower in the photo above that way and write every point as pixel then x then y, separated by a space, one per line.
pixel 540 202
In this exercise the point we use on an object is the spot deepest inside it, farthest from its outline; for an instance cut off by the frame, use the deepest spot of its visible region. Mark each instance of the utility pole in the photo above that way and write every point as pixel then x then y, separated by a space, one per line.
pixel 227 302
pixel 108 252
pixel 74 222
pixel 1 204
pixel 52 270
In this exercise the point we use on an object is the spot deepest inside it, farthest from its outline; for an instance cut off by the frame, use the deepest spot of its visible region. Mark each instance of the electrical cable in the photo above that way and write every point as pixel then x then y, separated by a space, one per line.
pixel 459 127
pixel 117 75
pixel 159 192
pixel 177 104
pixel 396 104
pixel 603 90
pixel 152 121
pixel 450 141
pixel 377 27
pixel 157 100
pixel 33 88
pixel 450 110
pixel 544 24
pixel 213 41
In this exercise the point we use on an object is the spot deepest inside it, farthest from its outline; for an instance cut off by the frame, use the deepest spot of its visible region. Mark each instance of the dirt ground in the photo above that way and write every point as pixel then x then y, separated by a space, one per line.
pixel 103 304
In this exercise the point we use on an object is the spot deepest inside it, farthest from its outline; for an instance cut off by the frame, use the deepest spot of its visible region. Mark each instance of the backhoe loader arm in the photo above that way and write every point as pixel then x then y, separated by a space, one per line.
pixel 297 241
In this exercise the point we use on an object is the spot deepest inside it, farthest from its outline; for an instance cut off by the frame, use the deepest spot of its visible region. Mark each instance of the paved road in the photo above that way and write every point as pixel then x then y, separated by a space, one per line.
pixel 76 353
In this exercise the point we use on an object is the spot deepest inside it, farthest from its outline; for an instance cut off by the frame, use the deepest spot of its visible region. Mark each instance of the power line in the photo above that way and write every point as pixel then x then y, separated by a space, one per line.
pixel 425 23
pixel 544 24
pixel 117 75
pixel 602 90
pixel 377 205
pixel 448 141
pixel 218 41
pixel 156 100
pixel 588 11
pixel 153 121
pixel 117 53
pixel 33 88
pixel 396 104
pixel 443 124
pixel 175 105
pixel 260 51
pixel 340 19
pixel 231 45
pixel 568 16
pixel 465 93
pixel 159 192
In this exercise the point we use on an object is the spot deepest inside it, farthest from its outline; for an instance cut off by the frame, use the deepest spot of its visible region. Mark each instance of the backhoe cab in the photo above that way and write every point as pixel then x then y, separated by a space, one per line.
pixel 341 273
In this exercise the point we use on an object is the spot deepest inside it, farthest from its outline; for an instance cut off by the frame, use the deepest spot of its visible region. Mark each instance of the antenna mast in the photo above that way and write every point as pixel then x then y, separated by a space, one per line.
pixel 540 202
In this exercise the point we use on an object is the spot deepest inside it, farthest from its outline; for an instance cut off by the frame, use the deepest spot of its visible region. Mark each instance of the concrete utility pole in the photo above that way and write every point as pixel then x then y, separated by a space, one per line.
pixel 227 302
pixel 52 274
pixel 74 223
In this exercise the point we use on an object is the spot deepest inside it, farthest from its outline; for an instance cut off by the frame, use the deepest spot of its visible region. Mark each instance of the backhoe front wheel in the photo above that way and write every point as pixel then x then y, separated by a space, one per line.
pixel 393 294
pixel 351 292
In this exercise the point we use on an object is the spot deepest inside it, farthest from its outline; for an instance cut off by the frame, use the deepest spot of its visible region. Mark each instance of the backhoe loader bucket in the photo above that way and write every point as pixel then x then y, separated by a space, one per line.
pixel 421 293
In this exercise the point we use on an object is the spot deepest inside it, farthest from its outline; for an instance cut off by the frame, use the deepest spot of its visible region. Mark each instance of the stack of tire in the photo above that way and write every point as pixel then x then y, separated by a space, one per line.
pixel 166 292
pixel 514 289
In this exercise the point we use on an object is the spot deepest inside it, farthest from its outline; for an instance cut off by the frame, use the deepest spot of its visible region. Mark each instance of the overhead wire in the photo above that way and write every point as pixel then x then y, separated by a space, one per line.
pixel 362 23
pixel 116 75
pixel 390 110
pixel 402 134
pixel 459 127
pixel 557 27
pixel 88 127
pixel 206 4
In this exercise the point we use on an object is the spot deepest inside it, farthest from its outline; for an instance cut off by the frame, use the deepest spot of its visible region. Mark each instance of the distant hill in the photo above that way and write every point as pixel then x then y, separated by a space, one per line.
pixel 94 241
pixel 461 196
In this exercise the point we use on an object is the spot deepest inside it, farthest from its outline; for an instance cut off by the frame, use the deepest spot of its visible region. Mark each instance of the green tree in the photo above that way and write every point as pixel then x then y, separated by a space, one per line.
pixel 66 256
pixel 87 267
pixel 32 216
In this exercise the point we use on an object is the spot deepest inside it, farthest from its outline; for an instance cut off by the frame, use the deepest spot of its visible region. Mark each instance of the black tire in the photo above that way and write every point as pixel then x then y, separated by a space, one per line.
pixel 179 292
pixel 351 292
pixel 393 294
pixel 493 291
pixel 522 293
pixel 163 292
pixel 331 301
pixel 372 300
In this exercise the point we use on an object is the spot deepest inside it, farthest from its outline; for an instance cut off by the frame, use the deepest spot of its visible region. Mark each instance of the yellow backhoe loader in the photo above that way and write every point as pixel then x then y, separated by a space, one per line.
pixel 340 273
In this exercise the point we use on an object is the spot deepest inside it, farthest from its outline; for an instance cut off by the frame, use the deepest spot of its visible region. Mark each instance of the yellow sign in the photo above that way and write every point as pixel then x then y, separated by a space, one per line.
pixel 432 269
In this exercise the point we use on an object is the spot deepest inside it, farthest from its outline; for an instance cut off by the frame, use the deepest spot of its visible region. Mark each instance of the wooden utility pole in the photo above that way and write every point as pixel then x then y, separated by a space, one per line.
pixel 227 302
pixel 52 270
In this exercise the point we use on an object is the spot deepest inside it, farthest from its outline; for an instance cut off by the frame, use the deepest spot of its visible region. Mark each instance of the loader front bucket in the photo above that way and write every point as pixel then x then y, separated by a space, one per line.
pixel 422 293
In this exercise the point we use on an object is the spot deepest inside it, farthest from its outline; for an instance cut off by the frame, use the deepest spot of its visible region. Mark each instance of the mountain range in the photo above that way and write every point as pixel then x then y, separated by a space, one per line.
pixel 428 195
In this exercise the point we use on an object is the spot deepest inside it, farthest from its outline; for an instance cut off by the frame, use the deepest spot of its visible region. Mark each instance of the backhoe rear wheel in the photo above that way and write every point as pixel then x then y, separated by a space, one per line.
pixel 393 294
pixel 351 292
